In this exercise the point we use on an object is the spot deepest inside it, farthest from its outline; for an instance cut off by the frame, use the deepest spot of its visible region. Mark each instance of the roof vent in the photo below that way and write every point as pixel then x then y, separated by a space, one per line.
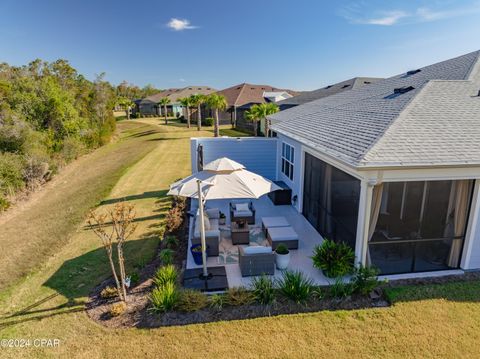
pixel 478 95
pixel 329 86
pixel 413 72
pixel 367 82
pixel 405 89
pixel 345 86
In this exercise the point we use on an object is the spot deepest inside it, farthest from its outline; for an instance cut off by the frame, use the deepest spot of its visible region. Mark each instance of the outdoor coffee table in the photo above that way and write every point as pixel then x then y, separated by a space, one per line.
pixel 285 235
pixel 240 234
pixel 272 222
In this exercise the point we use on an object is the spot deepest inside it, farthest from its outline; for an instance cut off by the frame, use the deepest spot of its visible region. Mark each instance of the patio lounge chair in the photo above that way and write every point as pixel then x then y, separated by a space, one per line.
pixel 242 214
pixel 212 234
pixel 256 260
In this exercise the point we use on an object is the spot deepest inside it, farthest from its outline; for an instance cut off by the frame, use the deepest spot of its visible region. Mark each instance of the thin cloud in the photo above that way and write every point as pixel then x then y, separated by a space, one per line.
pixel 356 13
pixel 390 18
pixel 180 24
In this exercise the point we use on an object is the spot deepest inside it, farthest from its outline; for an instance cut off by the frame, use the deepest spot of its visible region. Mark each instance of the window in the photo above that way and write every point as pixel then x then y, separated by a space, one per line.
pixel 288 155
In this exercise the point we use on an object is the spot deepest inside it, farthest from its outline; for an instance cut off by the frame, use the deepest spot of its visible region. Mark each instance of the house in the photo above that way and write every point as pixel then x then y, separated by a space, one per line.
pixel 329 90
pixel 241 97
pixel 392 168
pixel 151 105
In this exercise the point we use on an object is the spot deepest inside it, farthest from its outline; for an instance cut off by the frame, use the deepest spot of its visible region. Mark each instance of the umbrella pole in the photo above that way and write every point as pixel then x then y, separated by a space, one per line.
pixel 202 230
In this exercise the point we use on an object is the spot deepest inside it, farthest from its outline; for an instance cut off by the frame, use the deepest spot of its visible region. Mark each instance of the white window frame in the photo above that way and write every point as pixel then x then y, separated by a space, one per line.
pixel 288 160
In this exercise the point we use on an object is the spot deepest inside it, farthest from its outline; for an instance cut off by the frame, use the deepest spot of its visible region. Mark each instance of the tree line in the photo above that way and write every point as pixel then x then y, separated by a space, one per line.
pixel 49 115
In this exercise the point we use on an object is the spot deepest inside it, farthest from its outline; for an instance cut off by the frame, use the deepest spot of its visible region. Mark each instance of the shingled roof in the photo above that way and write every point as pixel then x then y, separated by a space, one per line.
pixel 175 94
pixel 245 93
pixel 426 117
pixel 326 91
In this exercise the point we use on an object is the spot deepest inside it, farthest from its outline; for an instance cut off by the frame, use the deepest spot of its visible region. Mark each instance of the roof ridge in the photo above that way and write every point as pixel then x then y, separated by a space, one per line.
pixel 239 93
pixel 475 69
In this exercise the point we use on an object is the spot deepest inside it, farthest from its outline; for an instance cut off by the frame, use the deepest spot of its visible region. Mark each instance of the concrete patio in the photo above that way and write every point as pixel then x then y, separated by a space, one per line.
pixel 300 258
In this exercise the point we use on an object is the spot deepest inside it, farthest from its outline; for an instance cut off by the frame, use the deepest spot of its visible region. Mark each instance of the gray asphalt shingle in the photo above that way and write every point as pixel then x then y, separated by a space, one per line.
pixel 371 126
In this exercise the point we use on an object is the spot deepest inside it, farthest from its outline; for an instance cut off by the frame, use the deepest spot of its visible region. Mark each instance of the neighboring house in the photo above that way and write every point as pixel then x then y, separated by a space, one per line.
pixel 392 168
pixel 329 90
pixel 241 97
pixel 151 105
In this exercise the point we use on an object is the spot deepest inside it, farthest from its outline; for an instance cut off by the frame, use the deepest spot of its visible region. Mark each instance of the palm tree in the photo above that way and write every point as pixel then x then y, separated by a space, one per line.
pixel 187 103
pixel 164 101
pixel 197 101
pixel 216 102
pixel 268 109
pixel 127 105
pixel 259 112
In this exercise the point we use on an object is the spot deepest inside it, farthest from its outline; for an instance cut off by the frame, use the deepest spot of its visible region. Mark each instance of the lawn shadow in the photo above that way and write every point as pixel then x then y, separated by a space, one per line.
pixel 151 194
pixel 77 277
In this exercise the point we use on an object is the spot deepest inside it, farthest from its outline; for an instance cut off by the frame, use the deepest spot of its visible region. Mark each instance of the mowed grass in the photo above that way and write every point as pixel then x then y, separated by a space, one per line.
pixel 49 303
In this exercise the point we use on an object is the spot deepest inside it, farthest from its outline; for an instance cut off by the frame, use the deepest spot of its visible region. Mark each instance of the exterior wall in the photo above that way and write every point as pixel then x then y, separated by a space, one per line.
pixel 256 154
pixel 297 184
pixel 369 178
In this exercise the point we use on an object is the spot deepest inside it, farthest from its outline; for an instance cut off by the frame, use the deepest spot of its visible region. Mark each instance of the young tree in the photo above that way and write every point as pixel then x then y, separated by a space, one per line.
pixel 216 103
pixel 187 103
pixel 121 219
pixel 164 102
pixel 197 101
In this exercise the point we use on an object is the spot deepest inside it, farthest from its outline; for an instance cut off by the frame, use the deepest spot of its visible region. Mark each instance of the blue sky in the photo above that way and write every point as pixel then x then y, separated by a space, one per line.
pixel 294 44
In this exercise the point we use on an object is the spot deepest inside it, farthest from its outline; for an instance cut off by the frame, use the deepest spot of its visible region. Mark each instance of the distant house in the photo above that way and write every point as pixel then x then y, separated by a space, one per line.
pixel 329 90
pixel 241 97
pixel 151 105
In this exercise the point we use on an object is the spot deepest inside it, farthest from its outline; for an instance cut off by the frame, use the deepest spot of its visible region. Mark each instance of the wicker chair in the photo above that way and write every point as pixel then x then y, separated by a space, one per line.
pixel 252 264
pixel 237 216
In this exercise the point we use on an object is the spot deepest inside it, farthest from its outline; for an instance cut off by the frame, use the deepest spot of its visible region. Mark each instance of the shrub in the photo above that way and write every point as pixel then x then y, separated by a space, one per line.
pixel 171 241
pixel 334 259
pixel 173 219
pixel 4 203
pixel 11 173
pixel 192 300
pixel 109 292
pixel 318 293
pixel 340 289
pixel 134 277
pixel 35 171
pixel 166 256
pixel 295 286
pixel 282 249
pixel 165 275
pixel 217 301
pixel 164 298
pixel 365 279
pixel 239 296
pixel 180 202
pixel 71 149
pixel 207 121
pixel 263 289
pixel 118 309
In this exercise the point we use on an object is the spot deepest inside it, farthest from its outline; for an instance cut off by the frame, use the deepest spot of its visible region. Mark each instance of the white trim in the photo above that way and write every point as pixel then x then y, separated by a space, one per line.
pixel 359 240
pixel 292 163
pixel 471 227
pixel 332 162
pixel 301 184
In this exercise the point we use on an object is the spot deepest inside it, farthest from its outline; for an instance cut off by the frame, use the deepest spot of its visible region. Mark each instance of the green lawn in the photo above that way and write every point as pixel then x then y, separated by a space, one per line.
pixel 431 322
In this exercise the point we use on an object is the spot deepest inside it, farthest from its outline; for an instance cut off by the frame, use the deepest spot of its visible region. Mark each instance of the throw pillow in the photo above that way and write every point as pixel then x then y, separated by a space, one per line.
pixel 206 221
pixel 242 207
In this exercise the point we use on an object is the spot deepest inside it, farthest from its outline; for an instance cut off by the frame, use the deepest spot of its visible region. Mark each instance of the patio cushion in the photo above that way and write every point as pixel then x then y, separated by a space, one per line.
pixel 206 221
pixel 212 213
pixel 242 213
pixel 242 207
pixel 269 222
pixel 282 234
pixel 257 250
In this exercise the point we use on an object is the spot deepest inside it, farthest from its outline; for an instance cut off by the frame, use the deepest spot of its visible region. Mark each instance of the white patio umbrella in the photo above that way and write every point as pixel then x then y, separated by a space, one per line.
pixel 220 179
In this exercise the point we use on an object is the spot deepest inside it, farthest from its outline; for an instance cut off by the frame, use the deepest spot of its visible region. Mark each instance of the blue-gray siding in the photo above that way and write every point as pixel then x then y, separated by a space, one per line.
pixel 258 155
